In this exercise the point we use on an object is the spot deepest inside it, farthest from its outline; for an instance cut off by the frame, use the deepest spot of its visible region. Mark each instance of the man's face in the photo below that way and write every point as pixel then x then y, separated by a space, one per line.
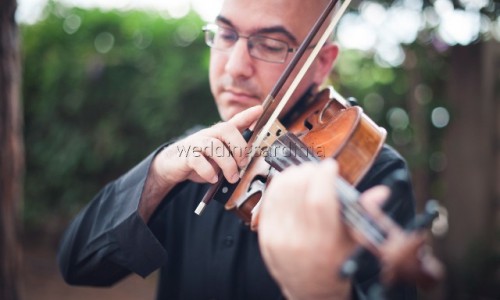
pixel 239 81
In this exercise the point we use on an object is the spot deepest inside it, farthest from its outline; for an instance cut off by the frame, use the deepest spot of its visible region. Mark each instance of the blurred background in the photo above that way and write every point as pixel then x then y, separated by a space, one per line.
pixel 103 83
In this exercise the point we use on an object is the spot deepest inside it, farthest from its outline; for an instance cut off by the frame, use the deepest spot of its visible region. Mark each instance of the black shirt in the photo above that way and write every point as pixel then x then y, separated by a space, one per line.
pixel 212 256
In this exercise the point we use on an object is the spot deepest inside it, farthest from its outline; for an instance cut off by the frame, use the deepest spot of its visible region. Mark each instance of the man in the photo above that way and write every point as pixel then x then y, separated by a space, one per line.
pixel 144 220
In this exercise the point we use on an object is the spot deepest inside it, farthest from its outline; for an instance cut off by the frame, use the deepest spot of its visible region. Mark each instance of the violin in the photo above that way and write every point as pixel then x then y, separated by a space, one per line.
pixel 328 127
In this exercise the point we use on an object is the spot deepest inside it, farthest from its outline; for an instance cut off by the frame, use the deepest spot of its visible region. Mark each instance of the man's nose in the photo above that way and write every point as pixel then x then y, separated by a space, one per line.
pixel 239 63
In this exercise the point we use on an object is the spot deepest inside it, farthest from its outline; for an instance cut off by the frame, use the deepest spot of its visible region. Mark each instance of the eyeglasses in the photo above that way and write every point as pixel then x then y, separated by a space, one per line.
pixel 259 47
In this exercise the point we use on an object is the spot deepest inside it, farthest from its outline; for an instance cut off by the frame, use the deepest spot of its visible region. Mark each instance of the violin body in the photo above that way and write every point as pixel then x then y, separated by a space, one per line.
pixel 329 127
pixel 332 128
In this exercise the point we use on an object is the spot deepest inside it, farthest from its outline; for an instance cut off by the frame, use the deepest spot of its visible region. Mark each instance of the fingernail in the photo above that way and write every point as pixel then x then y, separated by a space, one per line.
pixel 214 179
pixel 235 177
pixel 244 162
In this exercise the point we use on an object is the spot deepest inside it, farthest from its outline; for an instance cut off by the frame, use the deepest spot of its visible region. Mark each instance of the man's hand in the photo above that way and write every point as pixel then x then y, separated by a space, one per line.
pixel 199 157
pixel 302 236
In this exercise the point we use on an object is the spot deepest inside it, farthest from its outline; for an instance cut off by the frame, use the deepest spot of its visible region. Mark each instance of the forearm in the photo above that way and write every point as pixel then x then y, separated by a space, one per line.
pixel 154 191
pixel 104 260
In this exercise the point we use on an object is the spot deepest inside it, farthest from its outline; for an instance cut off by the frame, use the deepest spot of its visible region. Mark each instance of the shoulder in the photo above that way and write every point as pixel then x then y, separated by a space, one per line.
pixel 388 165
pixel 389 155
pixel 390 169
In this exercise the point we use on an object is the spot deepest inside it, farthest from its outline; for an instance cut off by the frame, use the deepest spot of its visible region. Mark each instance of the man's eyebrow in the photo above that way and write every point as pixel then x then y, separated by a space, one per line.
pixel 279 29
pixel 266 30
pixel 224 20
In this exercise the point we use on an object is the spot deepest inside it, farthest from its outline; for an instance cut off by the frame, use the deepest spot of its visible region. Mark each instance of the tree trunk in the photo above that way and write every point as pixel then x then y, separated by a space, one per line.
pixel 11 153
pixel 473 172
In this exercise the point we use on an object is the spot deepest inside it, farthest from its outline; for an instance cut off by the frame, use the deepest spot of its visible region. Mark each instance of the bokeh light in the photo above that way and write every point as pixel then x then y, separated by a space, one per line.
pixel 104 42
pixel 440 117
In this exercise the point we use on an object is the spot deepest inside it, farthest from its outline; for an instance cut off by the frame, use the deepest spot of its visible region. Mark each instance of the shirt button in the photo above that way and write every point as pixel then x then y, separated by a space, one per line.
pixel 228 241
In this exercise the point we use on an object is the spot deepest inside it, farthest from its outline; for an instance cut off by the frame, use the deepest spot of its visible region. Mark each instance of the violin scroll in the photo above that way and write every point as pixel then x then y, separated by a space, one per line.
pixel 404 254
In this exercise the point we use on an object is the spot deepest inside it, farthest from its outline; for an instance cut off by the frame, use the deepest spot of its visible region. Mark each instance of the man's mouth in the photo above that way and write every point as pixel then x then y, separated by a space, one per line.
pixel 241 96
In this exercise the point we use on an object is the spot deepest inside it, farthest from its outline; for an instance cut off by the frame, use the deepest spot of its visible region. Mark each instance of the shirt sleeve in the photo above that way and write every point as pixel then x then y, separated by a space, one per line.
pixel 108 239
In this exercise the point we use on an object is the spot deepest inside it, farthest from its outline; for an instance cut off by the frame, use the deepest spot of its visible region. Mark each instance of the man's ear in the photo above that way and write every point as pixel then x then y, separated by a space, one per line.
pixel 325 60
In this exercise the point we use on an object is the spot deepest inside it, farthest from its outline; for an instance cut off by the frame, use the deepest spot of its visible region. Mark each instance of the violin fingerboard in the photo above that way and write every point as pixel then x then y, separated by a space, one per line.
pixel 288 150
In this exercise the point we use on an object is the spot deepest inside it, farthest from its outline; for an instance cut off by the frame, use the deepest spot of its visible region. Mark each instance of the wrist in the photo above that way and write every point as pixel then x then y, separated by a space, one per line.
pixel 155 189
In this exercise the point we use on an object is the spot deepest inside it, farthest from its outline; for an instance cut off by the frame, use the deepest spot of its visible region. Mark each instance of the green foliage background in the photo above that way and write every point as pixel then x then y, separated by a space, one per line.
pixel 90 115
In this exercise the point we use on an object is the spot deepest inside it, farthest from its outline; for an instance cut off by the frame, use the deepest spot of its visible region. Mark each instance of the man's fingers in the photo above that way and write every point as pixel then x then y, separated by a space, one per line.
pixel 244 119
pixel 323 184
pixel 372 200
pixel 375 197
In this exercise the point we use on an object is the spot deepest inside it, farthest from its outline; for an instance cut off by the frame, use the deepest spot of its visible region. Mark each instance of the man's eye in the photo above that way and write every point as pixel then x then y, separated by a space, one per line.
pixel 271 46
pixel 227 36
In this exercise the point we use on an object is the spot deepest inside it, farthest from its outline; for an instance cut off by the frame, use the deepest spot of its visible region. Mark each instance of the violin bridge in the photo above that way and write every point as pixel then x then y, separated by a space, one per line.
pixel 267 138
pixel 277 129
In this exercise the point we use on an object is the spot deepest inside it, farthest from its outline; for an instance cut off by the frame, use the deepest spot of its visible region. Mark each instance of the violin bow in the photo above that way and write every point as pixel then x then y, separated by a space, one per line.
pixel 273 107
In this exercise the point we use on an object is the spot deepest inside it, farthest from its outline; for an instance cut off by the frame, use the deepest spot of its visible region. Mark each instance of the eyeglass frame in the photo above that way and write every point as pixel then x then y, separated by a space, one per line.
pixel 214 28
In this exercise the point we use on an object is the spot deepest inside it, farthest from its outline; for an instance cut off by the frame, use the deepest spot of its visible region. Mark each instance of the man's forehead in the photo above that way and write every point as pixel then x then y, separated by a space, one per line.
pixel 297 16
pixel 281 3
